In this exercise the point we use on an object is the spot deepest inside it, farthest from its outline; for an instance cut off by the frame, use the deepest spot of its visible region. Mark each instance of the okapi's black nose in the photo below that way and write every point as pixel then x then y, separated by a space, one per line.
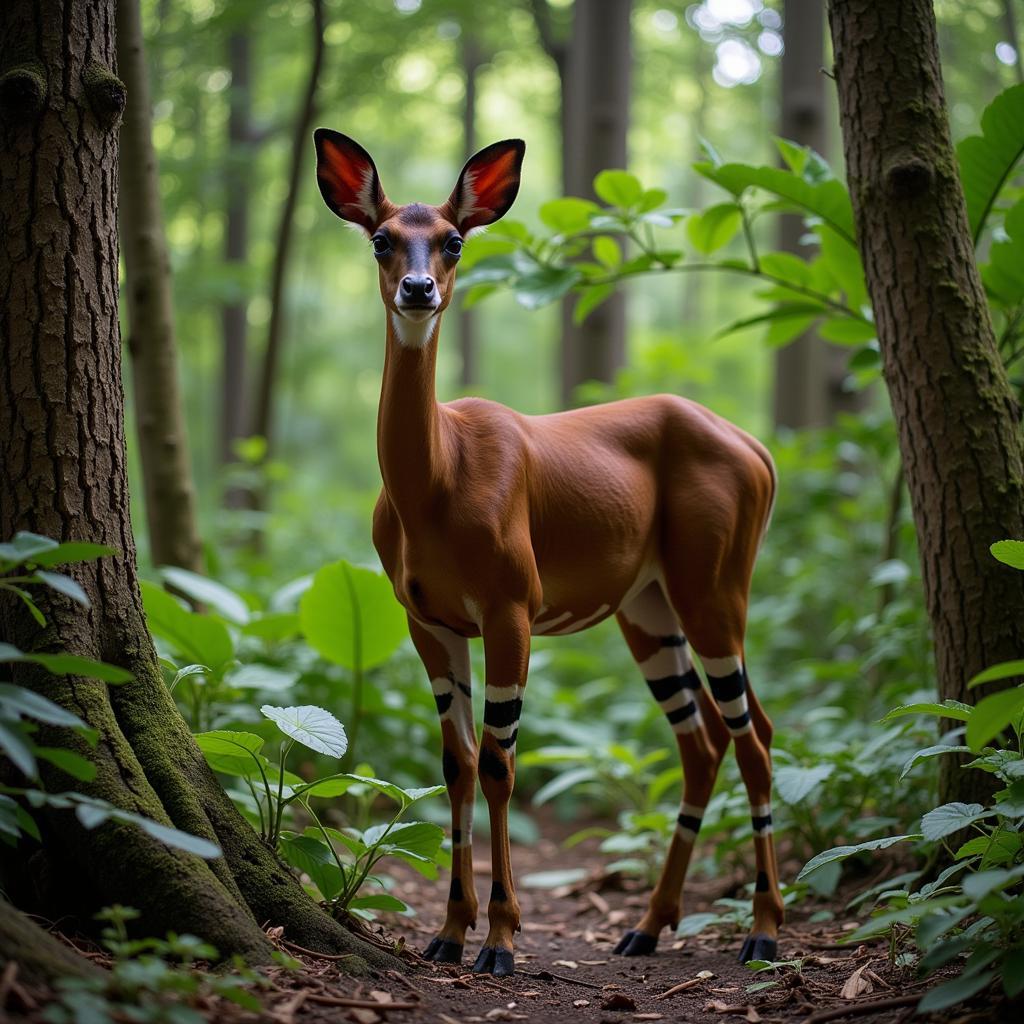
pixel 417 288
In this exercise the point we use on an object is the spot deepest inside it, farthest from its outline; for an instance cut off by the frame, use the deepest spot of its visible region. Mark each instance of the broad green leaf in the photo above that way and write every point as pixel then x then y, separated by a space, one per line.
pixel 828 199
pixel 949 818
pixel 987 160
pixel 714 228
pixel 845 330
pixel 481 246
pixel 804 161
pixel 568 215
pixel 73 551
pixel 694 924
pixel 74 764
pixel 590 298
pixel 979 884
pixel 553 879
pixel 227 741
pixel 952 992
pixel 477 293
pixel 312 856
pixel 378 901
pixel 1004 670
pixel 839 853
pixel 560 783
pixel 273 627
pixel 24 546
pixel 619 188
pixel 794 783
pixel 1009 552
pixel 311 726
pixel 256 676
pixel 782 330
pixel 221 599
pixel 607 251
pixel 351 617
pixel 187 671
pixel 904 915
pixel 545 285
pixel 936 751
pixel 64 585
pixel 947 709
pixel 422 792
pixel 786 311
pixel 68 665
pixel 16 748
pixel 16 701
pixel 992 715
pixel 652 199
pixel 420 838
pixel 198 638
pixel 840 261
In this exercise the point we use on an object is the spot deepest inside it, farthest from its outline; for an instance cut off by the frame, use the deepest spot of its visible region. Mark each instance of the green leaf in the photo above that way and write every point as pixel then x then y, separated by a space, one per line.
pixel 947 709
pixel 980 883
pixel 1013 972
pixel 715 227
pixel 786 311
pixel 231 753
pixel 828 199
pixel 311 726
pixel 652 199
pixel 545 285
pixel 949 818
pixel 1004 670
pixel 201 589
pixel 198 638
pixel 992 714
pixel 987 160
pixel 553 879
pixel 568 215
pixel 75 765
pixel 590 298
pixel 1009 552
pixel 378 901
pixel 844 330
pixel 619 188
pixel 350 616
pixel 68 665
pixel 314 858
pixel 16 748
pixel 273 627
pixel 794 783
pixel 419 838
pixel 16 701
pixel 607 251
pixel 64 585
pixel 24 546
pixel 560 783
pixel 480 247
pixel 694 924
pixel 952 992
pixel 783 330
pixel 928 752
pixel 842 852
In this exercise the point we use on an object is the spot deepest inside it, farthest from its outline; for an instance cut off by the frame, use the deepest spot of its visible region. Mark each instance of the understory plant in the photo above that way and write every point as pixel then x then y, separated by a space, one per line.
pixel 972 914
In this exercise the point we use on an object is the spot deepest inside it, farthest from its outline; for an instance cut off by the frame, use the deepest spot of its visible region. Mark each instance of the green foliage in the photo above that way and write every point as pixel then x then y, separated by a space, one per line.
pixel 154 981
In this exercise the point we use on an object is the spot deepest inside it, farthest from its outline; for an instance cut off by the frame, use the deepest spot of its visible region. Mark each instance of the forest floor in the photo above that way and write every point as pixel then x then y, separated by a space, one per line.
pixel 566 971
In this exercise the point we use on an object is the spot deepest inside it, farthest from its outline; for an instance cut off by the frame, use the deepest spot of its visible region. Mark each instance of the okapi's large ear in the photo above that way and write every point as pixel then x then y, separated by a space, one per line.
pixel 487 186
pixel 348 179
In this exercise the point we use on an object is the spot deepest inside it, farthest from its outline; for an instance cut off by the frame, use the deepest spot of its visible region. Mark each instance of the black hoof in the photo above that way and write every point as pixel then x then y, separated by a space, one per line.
pixel 443 951
pixel 494 960
pixel 759 947
pixel 636 943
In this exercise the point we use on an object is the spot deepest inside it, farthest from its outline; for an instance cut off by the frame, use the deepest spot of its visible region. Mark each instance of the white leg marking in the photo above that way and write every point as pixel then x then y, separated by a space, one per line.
pixel 720 667
pixel 575 627
pixel 539 628
pixel 457 683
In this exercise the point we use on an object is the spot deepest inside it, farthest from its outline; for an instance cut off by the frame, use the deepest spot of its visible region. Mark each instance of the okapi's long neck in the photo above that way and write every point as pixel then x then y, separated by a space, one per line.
pixel 410 428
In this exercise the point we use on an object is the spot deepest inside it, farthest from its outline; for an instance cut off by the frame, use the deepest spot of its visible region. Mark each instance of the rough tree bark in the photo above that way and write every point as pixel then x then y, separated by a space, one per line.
pixel 63 474
pixel 263 423
pixel 597 122
pixel 472 58
pixel 958 423
pixel 163 442
pixel 236 248
pixel 594 73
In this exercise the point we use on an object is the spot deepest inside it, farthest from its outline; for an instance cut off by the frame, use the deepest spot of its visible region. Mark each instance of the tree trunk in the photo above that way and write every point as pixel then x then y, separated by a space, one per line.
pixel 236 248
pixel 1010 25
pixel 595 127
pixel 263 424
pixel 471 61
pixel 958 423
pixel 163 443
pixel 63 474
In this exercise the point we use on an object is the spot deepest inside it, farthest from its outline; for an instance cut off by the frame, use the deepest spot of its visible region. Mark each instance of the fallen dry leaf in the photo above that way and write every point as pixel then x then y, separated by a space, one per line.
pixel 581 1002
pixel 381 997
pixel 599 903
pixel 571 964
pixel 856 984
pixel 618 1001
pixel 500 1013
pixel 593 963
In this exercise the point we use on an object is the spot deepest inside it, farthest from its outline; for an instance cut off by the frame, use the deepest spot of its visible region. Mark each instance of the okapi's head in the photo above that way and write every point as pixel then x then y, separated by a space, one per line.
pixel 417 247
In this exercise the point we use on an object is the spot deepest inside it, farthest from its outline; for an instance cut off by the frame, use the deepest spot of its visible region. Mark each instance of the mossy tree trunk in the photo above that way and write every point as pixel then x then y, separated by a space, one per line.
pixel 62 473
pixel 163 443
pixel 958 423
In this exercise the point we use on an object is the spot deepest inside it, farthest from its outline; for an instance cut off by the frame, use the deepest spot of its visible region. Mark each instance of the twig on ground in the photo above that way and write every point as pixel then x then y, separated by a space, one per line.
pixel 314 953
pixel 857 1009
pixel 360 1004
pixel 551 976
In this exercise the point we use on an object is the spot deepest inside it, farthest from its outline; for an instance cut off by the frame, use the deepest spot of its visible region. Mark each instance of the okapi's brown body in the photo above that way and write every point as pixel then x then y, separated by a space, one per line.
pixel 499 525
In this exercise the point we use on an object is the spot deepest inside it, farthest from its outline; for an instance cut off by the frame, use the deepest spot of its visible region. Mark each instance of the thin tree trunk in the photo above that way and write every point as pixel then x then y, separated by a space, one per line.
pixel 63 474
pixel 163 443
pixel 595 126
pixel 471 61
pixel 236 247
pixel 958 422
pixel 1010 24
pixel 263 425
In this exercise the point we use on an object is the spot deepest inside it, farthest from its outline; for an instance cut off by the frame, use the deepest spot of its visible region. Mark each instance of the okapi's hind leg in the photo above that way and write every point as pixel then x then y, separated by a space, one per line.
pixel 660 649
pixel 446 659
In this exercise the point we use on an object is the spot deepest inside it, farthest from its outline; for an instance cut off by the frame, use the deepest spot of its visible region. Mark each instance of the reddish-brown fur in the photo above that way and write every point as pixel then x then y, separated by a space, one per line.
pixel 498 524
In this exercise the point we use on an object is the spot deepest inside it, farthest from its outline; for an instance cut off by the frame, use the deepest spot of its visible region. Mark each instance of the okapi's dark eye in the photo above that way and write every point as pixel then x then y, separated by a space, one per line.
pixel 381 246
pixel 453 247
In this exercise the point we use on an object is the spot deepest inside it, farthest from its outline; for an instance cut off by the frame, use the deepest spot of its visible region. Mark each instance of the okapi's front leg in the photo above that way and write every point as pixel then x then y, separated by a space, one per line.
pixel 446 659
pixel 506 657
